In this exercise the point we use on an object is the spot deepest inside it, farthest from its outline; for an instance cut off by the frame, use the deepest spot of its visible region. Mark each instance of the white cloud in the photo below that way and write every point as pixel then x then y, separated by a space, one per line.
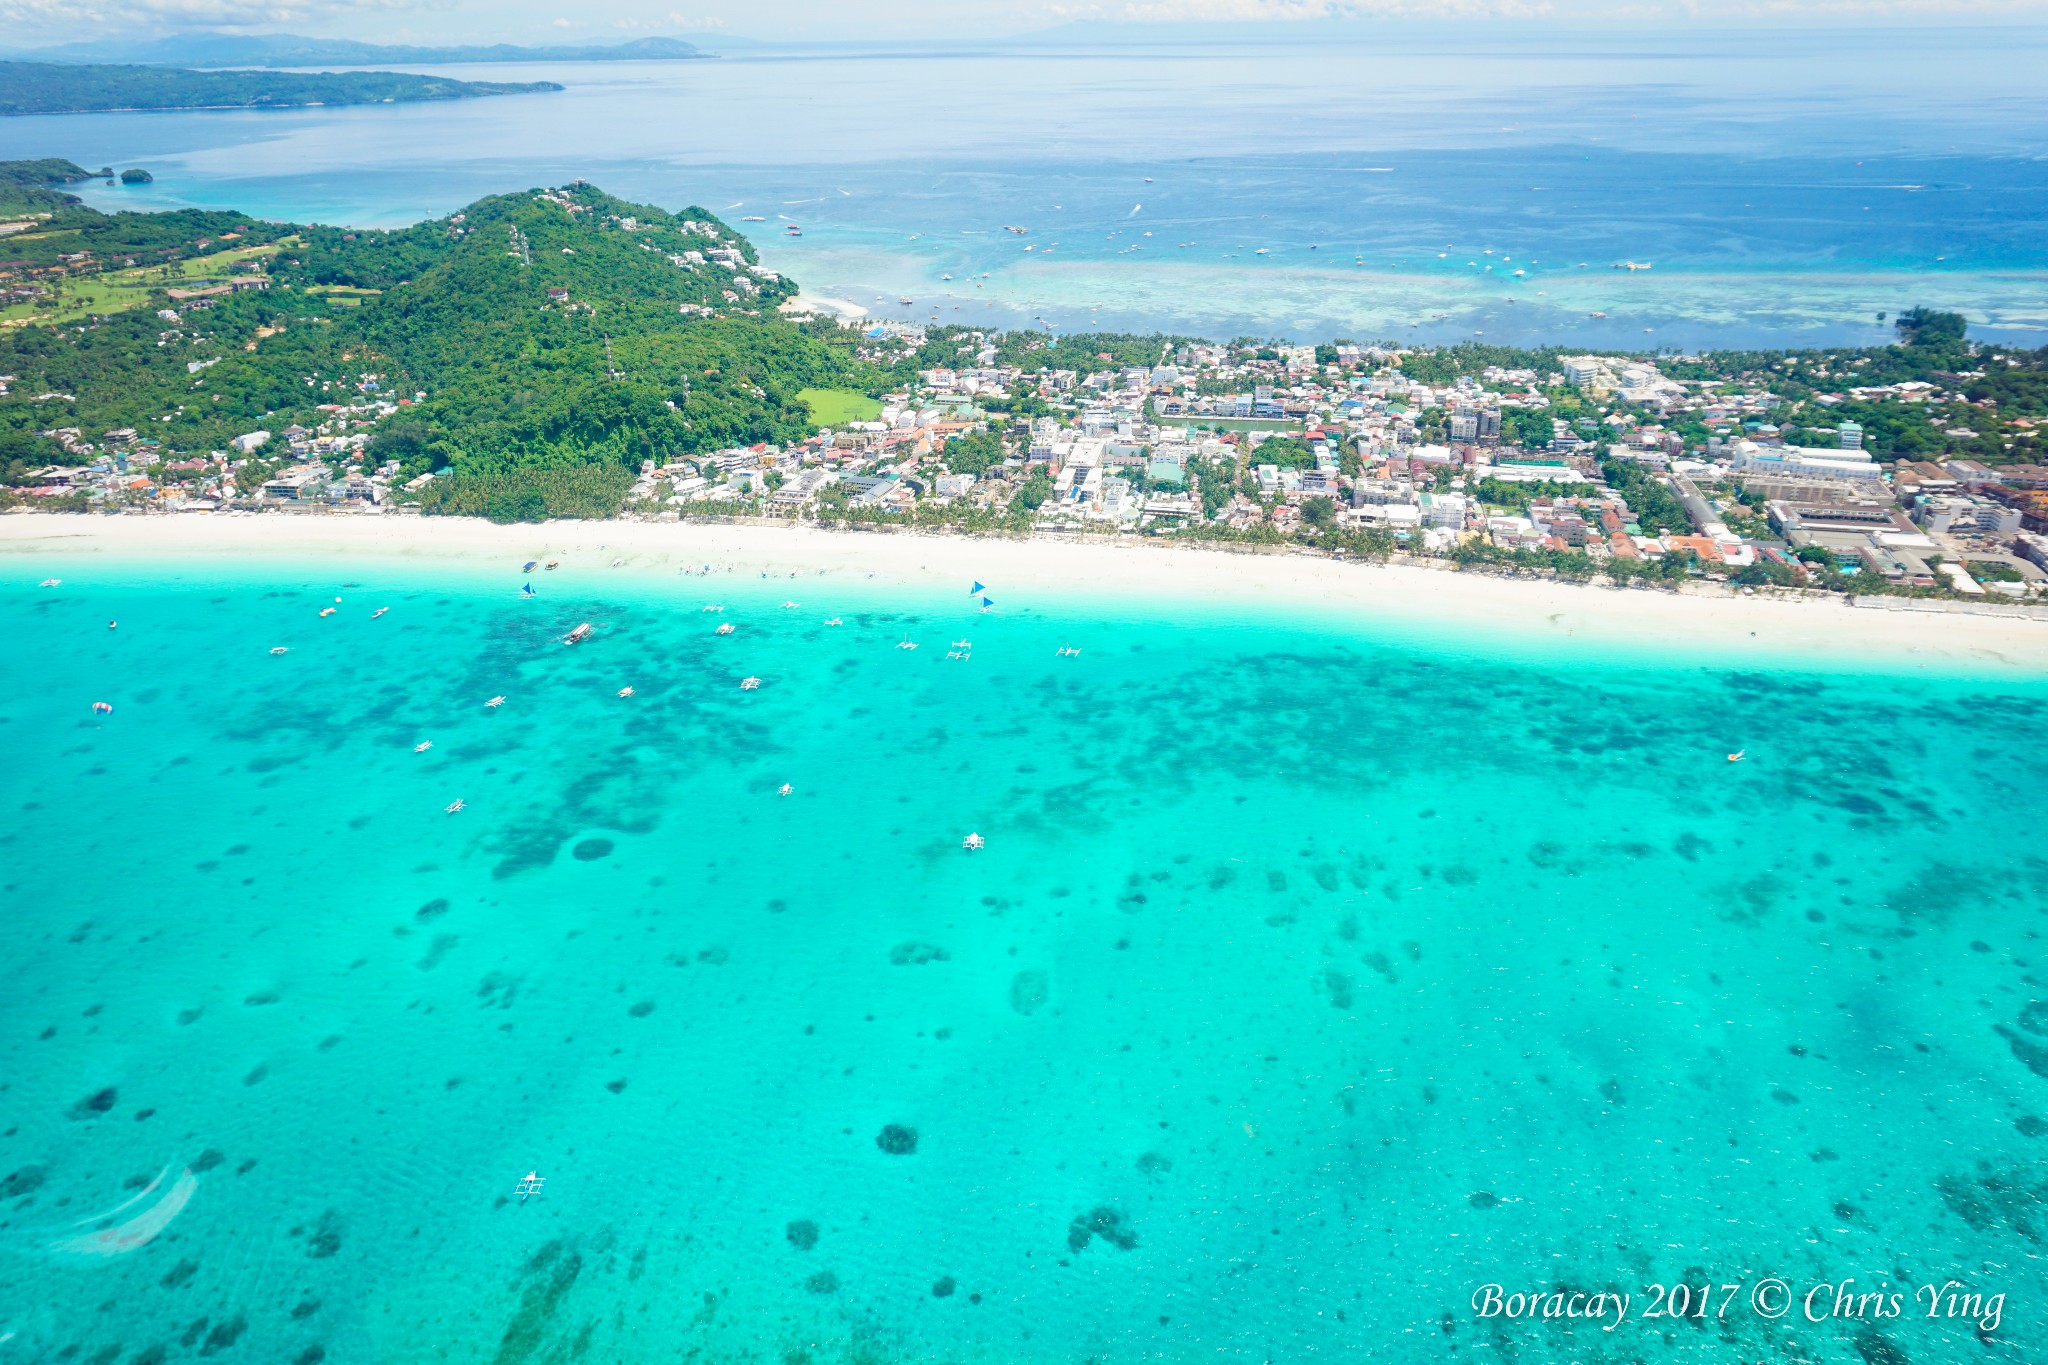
pixel 673 22
pixel 1297 11
pixel 160 14
pixel 1634 11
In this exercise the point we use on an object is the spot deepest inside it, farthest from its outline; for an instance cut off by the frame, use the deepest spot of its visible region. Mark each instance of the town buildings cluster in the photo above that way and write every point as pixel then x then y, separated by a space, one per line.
pixel 1597 456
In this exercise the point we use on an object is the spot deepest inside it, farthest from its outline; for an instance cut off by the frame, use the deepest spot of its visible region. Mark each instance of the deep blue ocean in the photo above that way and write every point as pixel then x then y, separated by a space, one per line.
pixel 1785 187
pixel 1313 978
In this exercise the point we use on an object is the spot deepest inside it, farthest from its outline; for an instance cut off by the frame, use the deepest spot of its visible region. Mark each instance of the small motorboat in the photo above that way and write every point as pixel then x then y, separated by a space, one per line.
pixel 726 629
pixel 1737 756
pixel 625 691
pixel 552 564
pixel 495 702
pixel 379 612
pixel 458 804
pixel 423 746
pixel 327 611
pixel 280 650
pixel 529 566
pixel 973 842
pixel 101 708
pixel 618 563
pixel 750 684
pixel 578 635
pixel 784 790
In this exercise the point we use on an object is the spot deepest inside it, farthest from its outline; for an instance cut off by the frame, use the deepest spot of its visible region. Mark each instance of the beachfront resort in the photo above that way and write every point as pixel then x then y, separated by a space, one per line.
pixel 1632 468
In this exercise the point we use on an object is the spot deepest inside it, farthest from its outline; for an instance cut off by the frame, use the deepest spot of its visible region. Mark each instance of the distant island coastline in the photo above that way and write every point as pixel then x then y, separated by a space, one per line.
pixel 58 88
pixel 208 50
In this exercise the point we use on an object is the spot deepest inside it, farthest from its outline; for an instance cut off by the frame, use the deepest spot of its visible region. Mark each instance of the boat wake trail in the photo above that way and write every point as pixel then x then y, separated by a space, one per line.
pixel 109 1238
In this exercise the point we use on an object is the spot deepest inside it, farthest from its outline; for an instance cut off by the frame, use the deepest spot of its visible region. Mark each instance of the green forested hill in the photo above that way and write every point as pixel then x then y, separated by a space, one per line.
pixel 66 88
pixel 522 406
pixel 37 186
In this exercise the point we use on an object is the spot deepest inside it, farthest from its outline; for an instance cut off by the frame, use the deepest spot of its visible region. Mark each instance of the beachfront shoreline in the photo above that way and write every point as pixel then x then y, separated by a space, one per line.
pixel 1706 624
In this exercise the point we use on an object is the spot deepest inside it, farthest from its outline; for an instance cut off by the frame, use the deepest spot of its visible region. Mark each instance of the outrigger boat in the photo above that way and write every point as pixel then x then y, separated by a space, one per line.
pixel 423 746
pixel 379 612
pixel 625 691
pixel 457 804
pixel 784 790
pixel 749 684
pixel 280 650
pixel 725 629
pixel 495 702
pixel 972 842
pixel 529 1186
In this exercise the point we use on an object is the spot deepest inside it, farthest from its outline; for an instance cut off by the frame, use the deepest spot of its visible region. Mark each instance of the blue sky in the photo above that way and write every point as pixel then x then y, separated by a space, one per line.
pixel 37 21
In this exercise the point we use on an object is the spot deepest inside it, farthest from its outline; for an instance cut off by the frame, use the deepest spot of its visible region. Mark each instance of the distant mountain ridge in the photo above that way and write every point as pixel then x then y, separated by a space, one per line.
pixel 204 50
pixel 75 88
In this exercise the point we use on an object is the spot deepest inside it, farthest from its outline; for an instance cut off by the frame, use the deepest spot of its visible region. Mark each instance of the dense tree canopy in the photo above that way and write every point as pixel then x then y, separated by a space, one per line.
pixel 546 341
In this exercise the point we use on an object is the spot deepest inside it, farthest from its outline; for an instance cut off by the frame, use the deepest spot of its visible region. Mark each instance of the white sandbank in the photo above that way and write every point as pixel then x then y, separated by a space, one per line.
pixel 1478 612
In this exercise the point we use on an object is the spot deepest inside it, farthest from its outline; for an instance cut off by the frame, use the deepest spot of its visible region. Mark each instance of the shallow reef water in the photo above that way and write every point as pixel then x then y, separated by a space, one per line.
pixel 1310 979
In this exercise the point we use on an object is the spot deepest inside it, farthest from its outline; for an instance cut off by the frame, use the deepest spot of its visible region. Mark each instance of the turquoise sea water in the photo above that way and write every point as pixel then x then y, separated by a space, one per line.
pixel 1312 978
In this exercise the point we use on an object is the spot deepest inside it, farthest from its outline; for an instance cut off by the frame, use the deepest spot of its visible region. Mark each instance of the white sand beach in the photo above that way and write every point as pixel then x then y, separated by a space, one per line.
pixel 1707 623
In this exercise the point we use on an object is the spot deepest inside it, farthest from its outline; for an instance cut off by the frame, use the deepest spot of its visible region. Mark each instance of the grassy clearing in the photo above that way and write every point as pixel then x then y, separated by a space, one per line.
pixel 116 291
pixel 832 407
